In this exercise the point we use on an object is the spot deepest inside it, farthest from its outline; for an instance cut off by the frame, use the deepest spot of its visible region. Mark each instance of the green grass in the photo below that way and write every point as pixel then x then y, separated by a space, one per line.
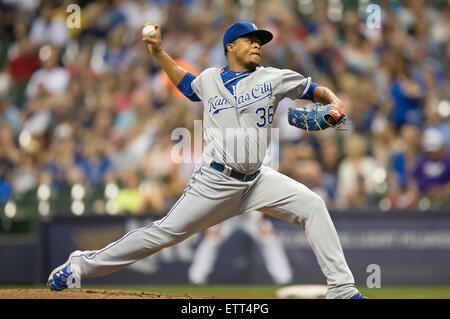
pixel 407 292
pixel 268 292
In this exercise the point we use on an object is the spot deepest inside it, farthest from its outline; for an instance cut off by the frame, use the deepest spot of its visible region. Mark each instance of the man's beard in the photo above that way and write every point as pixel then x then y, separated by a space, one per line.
pixel 251 65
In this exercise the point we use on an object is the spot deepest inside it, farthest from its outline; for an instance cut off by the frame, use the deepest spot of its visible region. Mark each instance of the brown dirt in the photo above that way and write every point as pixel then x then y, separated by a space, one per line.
pixel 86 294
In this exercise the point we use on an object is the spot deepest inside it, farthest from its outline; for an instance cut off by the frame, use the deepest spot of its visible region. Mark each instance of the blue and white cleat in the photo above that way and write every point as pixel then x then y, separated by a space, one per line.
pixel 65 276
pixel 358 295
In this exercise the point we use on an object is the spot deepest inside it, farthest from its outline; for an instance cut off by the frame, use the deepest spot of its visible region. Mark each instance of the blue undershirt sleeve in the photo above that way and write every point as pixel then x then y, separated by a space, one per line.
pixel 185 87
pixel 309 95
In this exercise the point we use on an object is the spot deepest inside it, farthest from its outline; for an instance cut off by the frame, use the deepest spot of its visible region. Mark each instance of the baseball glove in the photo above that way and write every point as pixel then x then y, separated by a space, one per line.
pixel 318 117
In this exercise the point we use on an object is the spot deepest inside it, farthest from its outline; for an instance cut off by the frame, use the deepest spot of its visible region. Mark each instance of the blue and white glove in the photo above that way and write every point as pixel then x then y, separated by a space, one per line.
pixel 318 117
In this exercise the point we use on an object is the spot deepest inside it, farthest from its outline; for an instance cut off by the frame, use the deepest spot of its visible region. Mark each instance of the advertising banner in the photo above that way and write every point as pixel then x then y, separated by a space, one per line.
pixel 395 248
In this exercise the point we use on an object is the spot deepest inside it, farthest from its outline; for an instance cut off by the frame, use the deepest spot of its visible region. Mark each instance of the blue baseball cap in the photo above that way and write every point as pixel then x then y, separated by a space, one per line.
pixel 242 28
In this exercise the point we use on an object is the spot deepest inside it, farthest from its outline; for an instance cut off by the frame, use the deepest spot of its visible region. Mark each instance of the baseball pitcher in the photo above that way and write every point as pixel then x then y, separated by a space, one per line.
pixel 240 101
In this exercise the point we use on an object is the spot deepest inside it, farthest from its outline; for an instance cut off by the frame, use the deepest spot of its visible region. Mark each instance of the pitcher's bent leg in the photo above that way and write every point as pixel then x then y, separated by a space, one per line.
pixel 324 241
pixel 297 204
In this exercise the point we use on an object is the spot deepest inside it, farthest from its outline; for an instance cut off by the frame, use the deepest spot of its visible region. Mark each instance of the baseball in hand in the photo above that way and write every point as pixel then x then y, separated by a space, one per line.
pixel 148 31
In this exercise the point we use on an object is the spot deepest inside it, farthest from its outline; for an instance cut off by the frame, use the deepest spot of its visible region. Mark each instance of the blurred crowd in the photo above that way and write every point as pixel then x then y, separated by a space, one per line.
pixel 86 114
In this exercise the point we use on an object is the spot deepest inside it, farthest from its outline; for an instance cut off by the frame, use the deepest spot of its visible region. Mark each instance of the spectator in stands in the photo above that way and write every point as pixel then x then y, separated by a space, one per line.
pixel 329 157
pixel 436 117
pixel 365 106
pixel 432 171
pixel 24 175
pixel 10 114
pixel 8 144
pixel 9 159
pixel 51 77
pixel 355 176
pixel 402 163
pixel 116 49
pixel 312 176
pixel 130 198
pixel 93 161
pixel 407 95
pixel 23 61
pixel 61 160
pixel 105 87
pixel 49 27
pixel 81 68
pixel 205 51
pixel 5 186
pixel 358 53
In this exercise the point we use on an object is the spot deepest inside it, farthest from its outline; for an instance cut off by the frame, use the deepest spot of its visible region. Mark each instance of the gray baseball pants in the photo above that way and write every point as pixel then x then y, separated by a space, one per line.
pixel 212 197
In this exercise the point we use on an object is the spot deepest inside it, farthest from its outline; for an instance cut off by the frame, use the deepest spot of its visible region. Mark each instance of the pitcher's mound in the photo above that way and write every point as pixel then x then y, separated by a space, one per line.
pixel 85 294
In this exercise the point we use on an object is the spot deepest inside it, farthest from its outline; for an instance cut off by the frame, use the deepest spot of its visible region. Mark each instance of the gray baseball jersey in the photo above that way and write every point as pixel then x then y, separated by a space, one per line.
pixel 237 126
pixel 213 196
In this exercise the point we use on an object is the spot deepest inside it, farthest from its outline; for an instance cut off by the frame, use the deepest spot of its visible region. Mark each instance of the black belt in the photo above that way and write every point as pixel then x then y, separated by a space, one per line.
pixel 240 176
